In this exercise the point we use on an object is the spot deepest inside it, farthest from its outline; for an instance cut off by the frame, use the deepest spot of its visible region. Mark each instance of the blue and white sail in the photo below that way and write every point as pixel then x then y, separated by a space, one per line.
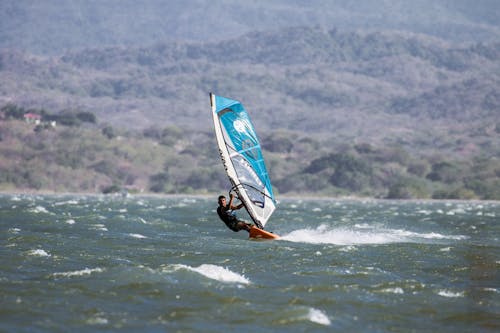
pixel 242 158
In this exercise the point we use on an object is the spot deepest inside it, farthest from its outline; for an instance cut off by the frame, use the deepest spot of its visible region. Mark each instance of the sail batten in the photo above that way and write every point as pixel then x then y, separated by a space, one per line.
pixel 242 157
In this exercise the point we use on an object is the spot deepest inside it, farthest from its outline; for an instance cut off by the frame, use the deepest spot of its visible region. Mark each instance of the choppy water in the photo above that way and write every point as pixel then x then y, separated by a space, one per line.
pixel 139 264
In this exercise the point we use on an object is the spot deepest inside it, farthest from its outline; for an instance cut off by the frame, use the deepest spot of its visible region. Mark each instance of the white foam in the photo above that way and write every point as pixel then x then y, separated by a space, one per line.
pixel 139 236
pixel 322 235
pixel 430 235
pixel 318 317
pixel 69 202
pixel 100 227
pixel 86 271
pixel 396 290
pixel 98 319
pixel 215 272
pixel 449 293
pixel 38 253
pixel 39 209
pixel 363 234
pixel 70 221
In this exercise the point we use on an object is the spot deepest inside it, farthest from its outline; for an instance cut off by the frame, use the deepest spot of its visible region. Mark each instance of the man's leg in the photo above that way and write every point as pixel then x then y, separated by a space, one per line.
pixel 244 226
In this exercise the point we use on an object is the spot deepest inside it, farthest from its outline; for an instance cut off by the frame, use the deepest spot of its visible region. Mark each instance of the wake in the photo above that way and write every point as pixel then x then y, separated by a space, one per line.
pixel 363 235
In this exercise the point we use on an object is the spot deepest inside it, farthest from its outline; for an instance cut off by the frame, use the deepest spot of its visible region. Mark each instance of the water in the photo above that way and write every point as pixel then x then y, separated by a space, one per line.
pixel 149 264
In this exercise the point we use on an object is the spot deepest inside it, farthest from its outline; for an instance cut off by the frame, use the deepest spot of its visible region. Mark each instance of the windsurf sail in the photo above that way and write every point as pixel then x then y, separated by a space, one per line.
pixel 241 155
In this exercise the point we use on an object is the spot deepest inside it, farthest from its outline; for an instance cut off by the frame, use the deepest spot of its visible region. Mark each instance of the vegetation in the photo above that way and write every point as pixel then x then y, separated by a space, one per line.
pixel 76 158
pixel 379 114
pixel 53 26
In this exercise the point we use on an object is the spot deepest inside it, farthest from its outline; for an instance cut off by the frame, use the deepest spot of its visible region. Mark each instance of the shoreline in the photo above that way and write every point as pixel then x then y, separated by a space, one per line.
pixel 306 197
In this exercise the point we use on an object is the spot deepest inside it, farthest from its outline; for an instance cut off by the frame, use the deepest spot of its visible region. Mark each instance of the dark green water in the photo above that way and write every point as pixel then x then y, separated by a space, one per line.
pixel 140 264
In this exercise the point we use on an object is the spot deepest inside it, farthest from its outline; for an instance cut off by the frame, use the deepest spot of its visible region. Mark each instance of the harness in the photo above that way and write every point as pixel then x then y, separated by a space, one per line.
pixel 228 218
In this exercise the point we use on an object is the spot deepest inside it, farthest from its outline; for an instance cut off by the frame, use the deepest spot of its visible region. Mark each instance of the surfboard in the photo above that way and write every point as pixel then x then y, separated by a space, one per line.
pixel 259 234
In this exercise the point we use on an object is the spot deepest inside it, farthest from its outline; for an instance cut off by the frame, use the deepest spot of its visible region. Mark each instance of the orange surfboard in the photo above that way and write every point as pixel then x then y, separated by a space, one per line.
pixel 259 234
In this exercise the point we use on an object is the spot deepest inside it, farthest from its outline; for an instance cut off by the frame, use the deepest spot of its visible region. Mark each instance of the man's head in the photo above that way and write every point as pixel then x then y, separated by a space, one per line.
pixel 222 200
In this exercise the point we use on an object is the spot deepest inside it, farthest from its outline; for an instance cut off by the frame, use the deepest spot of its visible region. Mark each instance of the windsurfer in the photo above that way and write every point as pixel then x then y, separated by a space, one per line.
pixel 226 214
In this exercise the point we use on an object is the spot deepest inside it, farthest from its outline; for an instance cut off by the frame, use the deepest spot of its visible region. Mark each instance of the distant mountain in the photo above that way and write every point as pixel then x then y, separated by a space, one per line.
pixel 56 26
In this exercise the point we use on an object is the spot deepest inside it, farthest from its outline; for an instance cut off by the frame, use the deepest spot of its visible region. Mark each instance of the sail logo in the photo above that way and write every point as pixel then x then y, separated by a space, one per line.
pixel 239 126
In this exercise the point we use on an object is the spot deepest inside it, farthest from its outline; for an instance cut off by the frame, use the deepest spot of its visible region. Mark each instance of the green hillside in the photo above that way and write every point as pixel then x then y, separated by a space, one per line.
pixel 79 155
pixel 345 86
pixel 379 114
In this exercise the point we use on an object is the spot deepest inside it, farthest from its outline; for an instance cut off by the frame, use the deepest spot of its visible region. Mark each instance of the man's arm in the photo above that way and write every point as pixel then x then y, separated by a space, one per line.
pixel 231 197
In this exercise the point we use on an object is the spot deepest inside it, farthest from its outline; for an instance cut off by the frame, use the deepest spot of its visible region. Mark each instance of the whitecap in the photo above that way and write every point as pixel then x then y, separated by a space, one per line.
pixel 449 293
pixel 396 290
pixel 38 253
pixel 70 221
pixel 215 272
pixel 100 227
pixel 491 289
pixel 69 202
pixel 137 236
pixel 318 317
pixel 39 209
pixel 86 271
pixel 348 248
pixel 98 319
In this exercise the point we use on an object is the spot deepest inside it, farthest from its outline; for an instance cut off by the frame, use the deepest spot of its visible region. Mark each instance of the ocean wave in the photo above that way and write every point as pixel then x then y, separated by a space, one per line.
pixel 39 209
pixel 86 271
pixel 38 253
pixel 301 313
pixel 395 290
pixel 68 202
pixel 138 236
pixel 318 317
pixel 449 293
pixel 215 272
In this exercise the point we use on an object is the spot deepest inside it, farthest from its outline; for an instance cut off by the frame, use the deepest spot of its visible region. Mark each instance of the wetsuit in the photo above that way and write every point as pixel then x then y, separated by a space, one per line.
pixel 228 218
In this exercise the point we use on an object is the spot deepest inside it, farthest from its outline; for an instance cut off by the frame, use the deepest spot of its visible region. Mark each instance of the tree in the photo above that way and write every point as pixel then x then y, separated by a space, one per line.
pixel 87 117
pixel 108 132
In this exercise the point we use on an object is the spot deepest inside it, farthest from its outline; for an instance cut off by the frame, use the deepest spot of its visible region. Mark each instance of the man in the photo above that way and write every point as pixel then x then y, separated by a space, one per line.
pixel 225 212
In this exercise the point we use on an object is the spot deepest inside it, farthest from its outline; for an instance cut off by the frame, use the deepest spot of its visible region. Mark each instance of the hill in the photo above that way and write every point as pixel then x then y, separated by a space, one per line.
pixel 78 155
pixel 398 114
pixel 56 26
pixel 391 88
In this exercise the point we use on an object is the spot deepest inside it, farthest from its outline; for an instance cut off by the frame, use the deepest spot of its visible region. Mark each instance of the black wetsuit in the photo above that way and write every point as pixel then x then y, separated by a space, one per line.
pixel 228 218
